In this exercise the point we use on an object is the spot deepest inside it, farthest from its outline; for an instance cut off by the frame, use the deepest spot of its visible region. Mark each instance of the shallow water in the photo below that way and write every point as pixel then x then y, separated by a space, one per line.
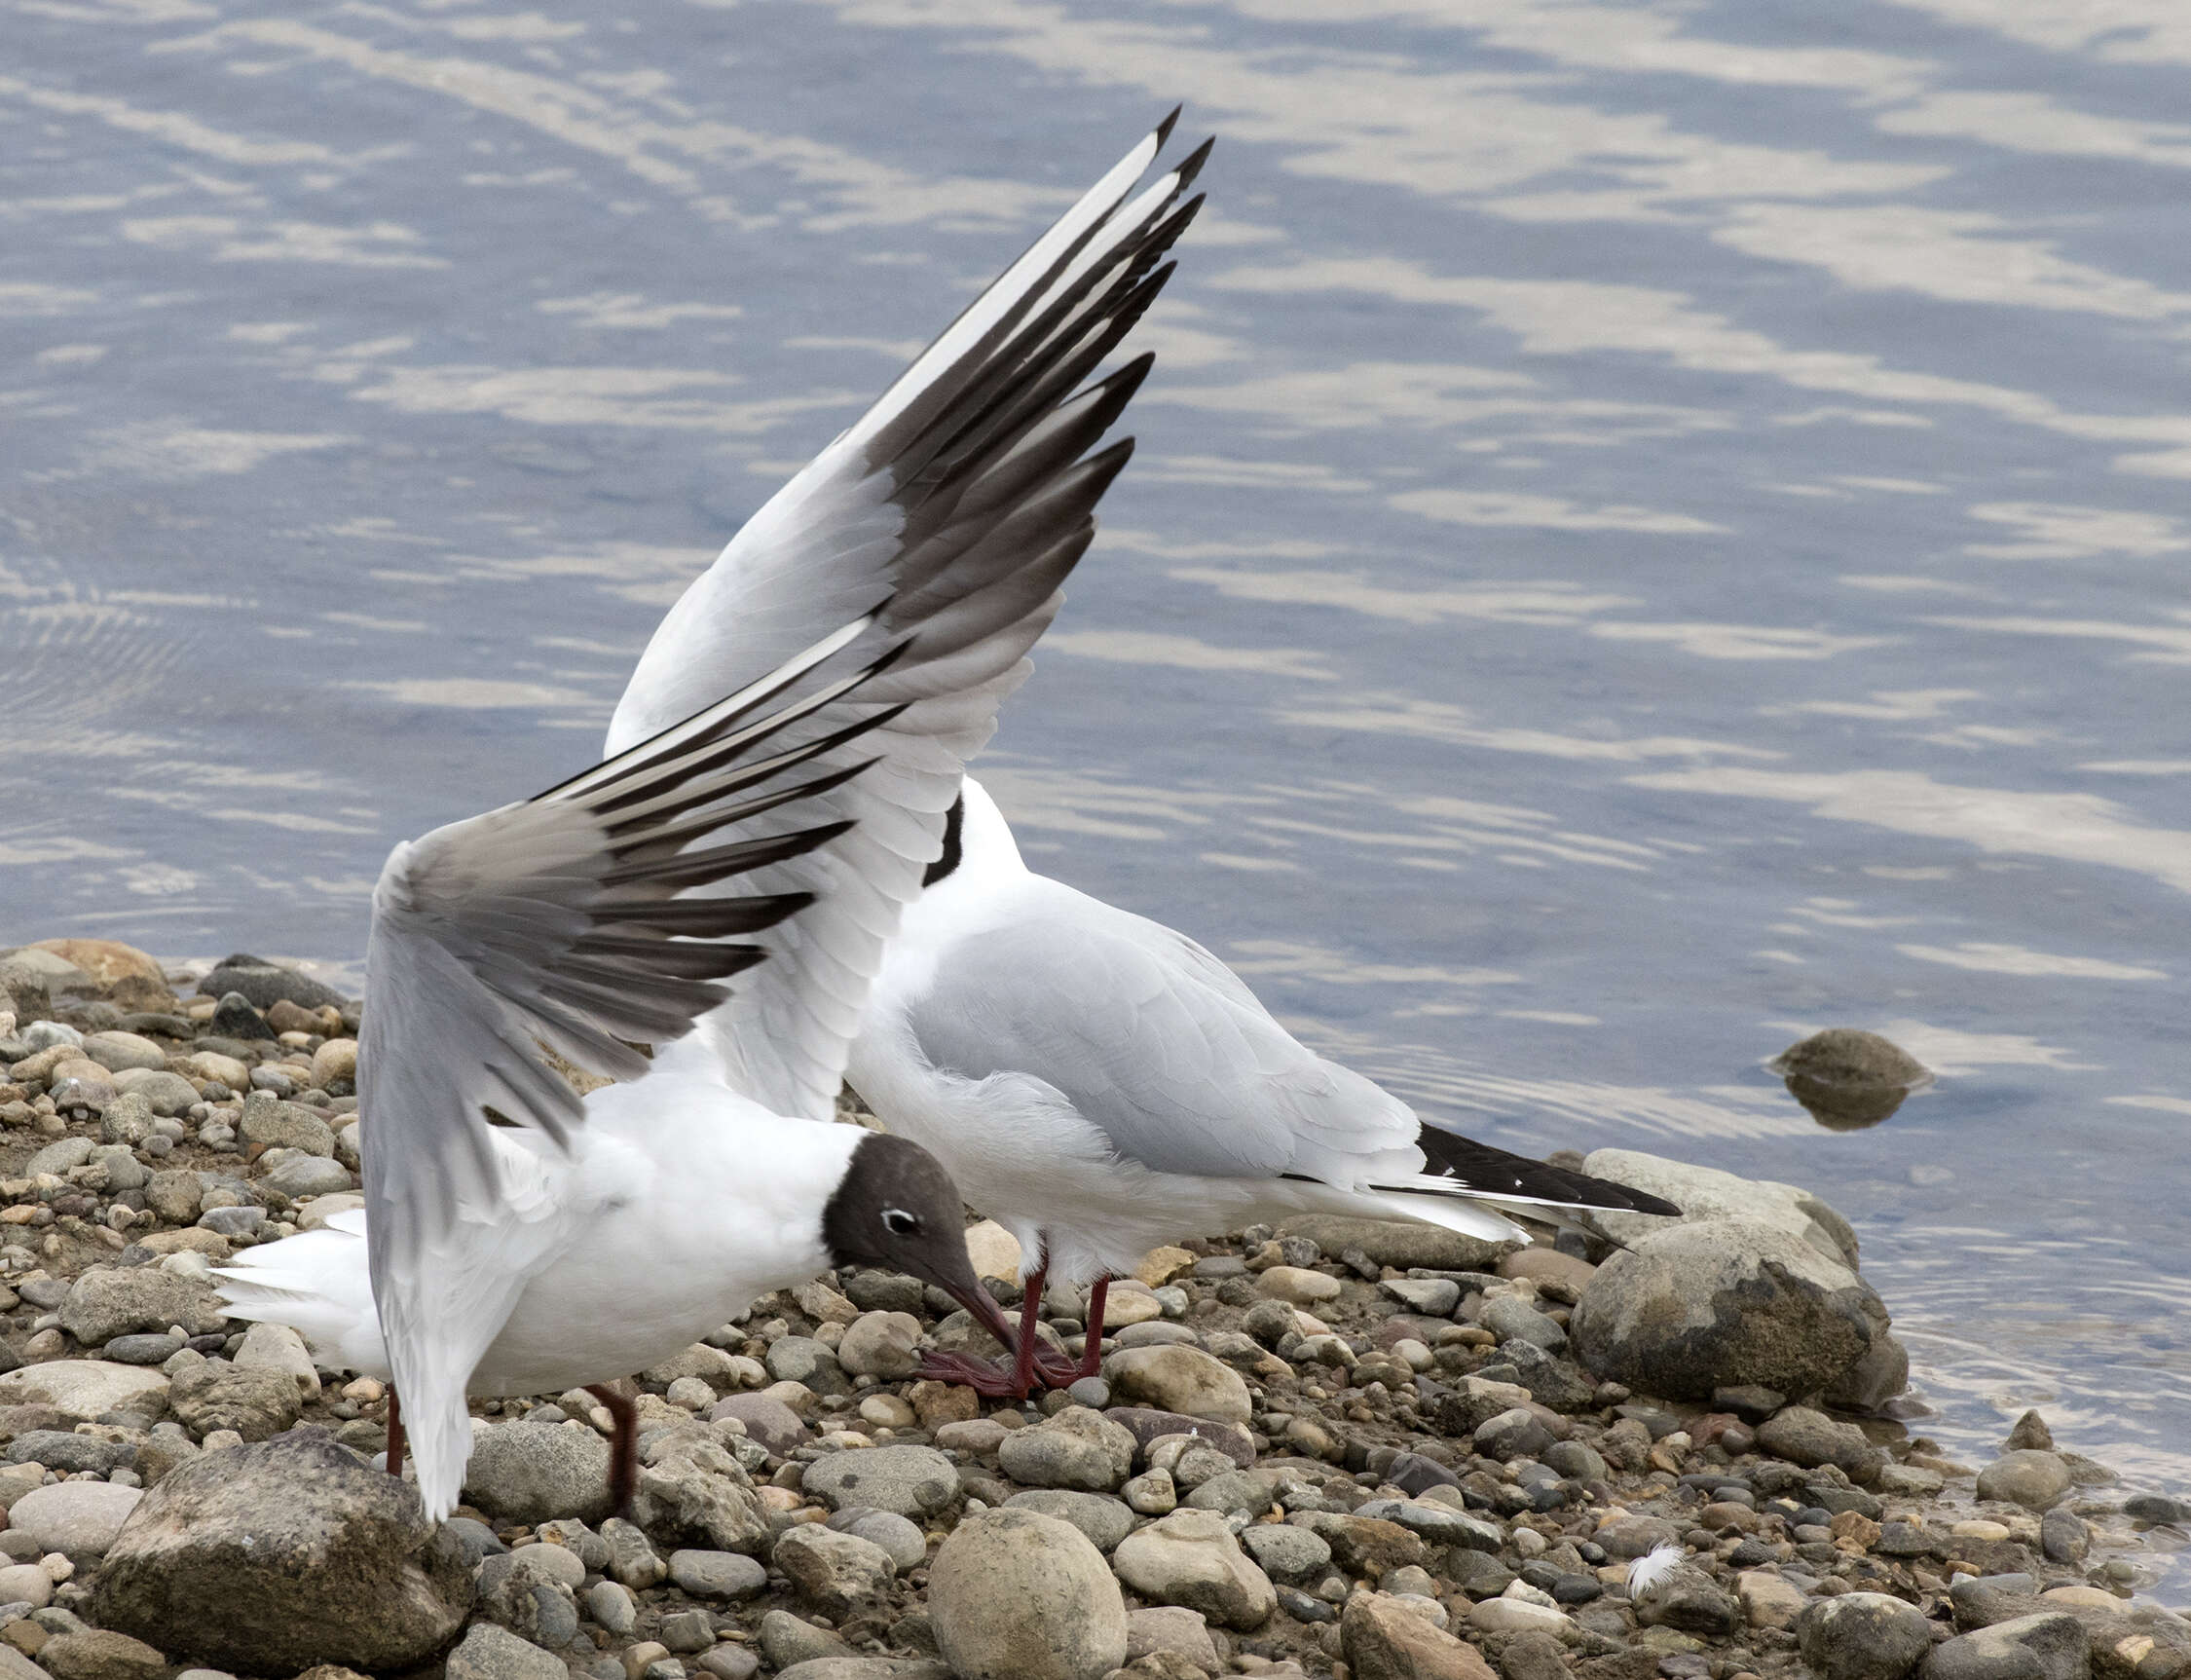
pixel 1657 528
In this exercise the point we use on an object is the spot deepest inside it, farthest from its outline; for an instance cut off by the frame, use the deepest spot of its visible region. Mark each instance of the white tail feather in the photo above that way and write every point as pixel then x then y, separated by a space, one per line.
pixel 1471 1219
pixel 317 1284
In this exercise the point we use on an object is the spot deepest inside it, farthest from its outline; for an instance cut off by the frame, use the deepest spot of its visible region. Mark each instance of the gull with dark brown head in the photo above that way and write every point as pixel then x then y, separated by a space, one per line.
pixel 741 863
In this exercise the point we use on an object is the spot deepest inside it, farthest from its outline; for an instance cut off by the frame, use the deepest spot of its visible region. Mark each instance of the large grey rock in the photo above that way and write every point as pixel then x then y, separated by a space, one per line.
pixel 1290 1553
pixel 1874 1379
pixel 1685 1599
pixel 532 1596
pixel 268 1346
pixel 66 1450
pixel 1077 1448
pixel 1365 1545
pixel 1389 1638
pixel 910 1481
pixel 101 1654
pixel 716 1573
pixel 269 1123
pixel 491 1652
pixel 1810 1438
pixel 1148 1425
pixel 1399 1243
pixel 1104 1520
pixel 115 1050
pixel 2053 1646
pixel 309 1553
pixel 1247 1491
pixel 1168 1627
pixel 832 1572
pixel 1191 1558
pixel 167 1094
pixel 78 1518
pixel 787 1641
pixel 126 1121
pixel 899 1536
pixel 1440 1524
pixel 1707 1193
pixel 884 1345
pixel 59 1158
pixel 1863 1636
pixel 109 1301
pixel 1017 1595
pixel 2033 1479
pixel 1179 1379
pixel 1511 1318
pixel 532 1472
pixel 265 983
pixel 1718 1303
pixel 692 1487
pixel 300 1177
pixel 122 1168
pixel 257 1403
pixel 83 1391
pixel 809 1362
pixel 767 1420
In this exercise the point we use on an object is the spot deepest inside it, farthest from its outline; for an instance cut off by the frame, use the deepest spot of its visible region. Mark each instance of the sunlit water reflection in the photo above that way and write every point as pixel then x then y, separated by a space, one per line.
pixel 1658 530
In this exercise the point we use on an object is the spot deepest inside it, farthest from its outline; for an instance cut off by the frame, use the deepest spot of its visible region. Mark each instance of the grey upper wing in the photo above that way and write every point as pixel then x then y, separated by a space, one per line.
pixel 1180 1072
pixel 965 495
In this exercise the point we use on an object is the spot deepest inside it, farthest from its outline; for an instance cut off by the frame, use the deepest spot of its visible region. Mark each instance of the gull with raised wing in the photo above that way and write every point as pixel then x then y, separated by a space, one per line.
pixel 522 1241
pixel 1096 1082
pixel 517 1240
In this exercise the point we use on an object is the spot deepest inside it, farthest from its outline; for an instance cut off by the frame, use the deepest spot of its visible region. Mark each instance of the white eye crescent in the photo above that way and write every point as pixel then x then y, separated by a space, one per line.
pixel 900 1222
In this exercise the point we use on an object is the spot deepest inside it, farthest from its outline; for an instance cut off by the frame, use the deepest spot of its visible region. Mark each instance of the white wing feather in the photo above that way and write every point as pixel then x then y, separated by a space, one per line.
pixel 966 493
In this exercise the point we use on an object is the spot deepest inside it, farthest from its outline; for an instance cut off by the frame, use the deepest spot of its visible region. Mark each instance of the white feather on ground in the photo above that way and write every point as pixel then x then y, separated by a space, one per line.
pixel 1649 1572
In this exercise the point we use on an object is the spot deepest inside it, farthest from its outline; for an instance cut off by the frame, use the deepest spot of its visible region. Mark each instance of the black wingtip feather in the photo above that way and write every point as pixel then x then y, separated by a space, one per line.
pixel 1165 128
pixel 1191 164
pixel 1491 1171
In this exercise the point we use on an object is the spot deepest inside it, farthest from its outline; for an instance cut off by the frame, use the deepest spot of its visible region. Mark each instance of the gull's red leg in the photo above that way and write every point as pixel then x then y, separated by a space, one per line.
pixel 623 1447
pixel 395 1438
pixel 1031 1303
pixel 1092 1356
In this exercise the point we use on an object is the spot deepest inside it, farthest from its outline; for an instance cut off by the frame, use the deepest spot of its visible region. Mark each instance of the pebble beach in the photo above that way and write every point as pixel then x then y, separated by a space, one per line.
pixel 1342 1447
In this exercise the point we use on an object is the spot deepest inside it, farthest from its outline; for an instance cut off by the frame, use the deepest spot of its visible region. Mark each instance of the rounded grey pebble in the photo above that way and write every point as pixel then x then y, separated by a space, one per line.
pixel 1090 1392
pixel 142 1350
pixel 613 1607
pixel 1104 1520
pixel 898 1536
pixel 688 1631
pixel 717 1574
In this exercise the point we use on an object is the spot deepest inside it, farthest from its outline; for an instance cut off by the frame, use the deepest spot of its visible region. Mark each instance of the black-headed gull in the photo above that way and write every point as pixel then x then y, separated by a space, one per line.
pixel 517 1240
pixel 582 1242
pixel 1096 1082
pixel 1099 1084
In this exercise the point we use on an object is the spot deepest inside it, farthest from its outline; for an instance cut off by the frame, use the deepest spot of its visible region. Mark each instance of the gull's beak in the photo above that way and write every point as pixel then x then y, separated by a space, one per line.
pixel 954 1276
pixel 986 1313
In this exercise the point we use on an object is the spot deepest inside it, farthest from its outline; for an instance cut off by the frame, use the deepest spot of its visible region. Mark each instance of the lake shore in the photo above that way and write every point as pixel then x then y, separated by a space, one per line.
pixel 1340 1447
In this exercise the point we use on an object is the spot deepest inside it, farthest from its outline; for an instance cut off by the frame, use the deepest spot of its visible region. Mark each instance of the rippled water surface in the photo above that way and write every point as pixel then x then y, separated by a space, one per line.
pixel 1658 527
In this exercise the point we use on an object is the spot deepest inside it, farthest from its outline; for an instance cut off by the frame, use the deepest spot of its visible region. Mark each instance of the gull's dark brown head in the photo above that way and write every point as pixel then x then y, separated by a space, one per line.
pixel 896 1208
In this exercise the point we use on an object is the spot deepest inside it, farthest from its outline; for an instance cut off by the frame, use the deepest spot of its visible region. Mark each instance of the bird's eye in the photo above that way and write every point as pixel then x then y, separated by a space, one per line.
pixel 900 1222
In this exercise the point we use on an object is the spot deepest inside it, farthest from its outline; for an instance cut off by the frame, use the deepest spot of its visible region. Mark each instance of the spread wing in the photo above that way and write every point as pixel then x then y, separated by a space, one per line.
pixel 965 495
pixel 559 920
